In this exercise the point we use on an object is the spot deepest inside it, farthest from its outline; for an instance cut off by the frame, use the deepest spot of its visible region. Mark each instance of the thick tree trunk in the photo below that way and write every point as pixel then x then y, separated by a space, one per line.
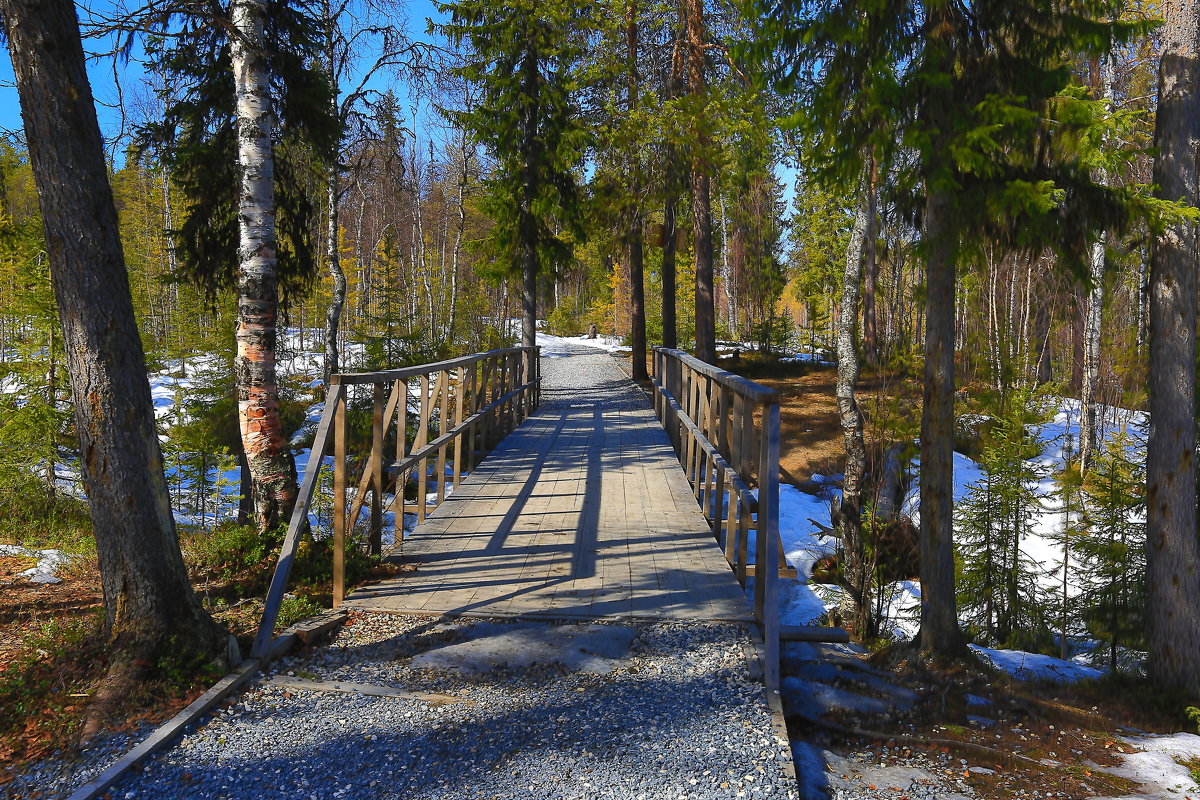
pixel 939 615
pixel 271 465
pixel 1172 552
pixel 150 610
pixel 940 634
pixel 526 224
pixel 855 573
pixel 706 324
pixel 637 287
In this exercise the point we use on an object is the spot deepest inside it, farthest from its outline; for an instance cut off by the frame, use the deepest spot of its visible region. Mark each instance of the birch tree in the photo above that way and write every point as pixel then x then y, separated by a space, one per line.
pixel 249 222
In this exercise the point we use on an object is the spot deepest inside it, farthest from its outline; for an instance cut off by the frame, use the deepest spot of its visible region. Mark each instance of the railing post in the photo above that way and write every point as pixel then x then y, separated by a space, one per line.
pixel 473 402
pixel 766 555
pixel 400 505
pixel 443 393
pixel 376 538
pixel 422 437
pixel 460 387
pixel 339 500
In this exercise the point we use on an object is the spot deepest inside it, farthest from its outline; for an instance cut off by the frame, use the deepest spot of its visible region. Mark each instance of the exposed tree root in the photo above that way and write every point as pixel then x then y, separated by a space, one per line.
pixel 120 681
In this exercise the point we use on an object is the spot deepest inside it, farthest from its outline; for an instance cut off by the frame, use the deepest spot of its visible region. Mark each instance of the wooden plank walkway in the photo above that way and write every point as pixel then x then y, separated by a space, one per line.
pixel 583 512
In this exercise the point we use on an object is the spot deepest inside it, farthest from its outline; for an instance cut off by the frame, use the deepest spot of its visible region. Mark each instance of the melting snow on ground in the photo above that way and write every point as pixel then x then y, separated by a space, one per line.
pixel 803 517
pixel 556 346
pixel 1157 767
pixel 49 562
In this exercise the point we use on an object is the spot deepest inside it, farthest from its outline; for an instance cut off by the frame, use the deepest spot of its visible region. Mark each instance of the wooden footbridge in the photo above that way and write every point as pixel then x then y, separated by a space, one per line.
pixel 595 504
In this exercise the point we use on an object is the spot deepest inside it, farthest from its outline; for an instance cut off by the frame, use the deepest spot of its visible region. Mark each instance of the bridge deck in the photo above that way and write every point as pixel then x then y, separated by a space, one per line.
pixel 582 512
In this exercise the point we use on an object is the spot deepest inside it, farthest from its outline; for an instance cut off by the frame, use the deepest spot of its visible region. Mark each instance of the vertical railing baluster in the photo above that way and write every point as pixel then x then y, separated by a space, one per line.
pixel 399 504
pixel 443 395
pixel 422 438
pixel 460 388
pixel 375 541
pixel 339 500
pixel 766 570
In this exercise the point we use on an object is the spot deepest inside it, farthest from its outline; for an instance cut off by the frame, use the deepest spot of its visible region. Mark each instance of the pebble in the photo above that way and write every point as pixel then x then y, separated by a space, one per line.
pixel 677 718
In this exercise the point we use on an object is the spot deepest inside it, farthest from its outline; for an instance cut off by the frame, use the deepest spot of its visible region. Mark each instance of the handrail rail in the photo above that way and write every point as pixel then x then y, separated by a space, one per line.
pixel 709 416
pixel 468 403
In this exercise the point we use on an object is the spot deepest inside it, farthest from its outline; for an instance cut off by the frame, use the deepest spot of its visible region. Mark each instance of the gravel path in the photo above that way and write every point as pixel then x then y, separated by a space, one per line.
pixel 573 374
pixel 676 718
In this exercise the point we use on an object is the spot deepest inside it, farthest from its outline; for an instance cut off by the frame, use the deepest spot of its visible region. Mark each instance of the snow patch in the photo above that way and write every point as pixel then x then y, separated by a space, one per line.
pixel 1034 666
pixel 49 562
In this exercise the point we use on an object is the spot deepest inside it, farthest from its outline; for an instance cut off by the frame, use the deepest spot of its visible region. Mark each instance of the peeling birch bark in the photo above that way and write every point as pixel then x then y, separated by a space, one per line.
pixel 272 470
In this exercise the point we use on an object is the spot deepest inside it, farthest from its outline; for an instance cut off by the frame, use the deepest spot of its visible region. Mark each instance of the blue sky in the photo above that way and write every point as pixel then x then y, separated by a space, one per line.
pixel 105 89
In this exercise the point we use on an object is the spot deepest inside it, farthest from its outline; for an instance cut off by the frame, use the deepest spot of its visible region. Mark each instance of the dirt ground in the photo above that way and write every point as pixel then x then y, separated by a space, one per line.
pixel 26 608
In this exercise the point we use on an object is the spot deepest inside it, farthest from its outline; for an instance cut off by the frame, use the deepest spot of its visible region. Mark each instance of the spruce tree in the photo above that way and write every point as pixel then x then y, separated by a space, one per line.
pixel 1112 554
pixel 521 57
pixel 998 590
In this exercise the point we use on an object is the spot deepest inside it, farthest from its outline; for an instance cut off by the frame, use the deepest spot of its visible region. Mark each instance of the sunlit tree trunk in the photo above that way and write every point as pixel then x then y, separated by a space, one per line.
pixel 151 614
pixel 637 288
pixel 1092 320
pixel 702 241
pixel 333 260
pixel 855 572
pixel 1172 552
pixel 271 467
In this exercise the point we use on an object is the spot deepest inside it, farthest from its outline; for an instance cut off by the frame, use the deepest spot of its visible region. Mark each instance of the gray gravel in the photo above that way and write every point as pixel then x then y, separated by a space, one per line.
pixel 676 718
pixel 578 375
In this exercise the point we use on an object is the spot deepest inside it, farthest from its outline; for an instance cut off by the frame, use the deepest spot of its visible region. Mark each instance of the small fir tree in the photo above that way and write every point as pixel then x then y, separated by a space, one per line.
pixel 1112 555
pixel 998 589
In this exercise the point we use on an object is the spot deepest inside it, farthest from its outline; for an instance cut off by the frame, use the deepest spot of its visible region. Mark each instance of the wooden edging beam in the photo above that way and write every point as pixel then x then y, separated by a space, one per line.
pixel 813 633
pixel 301 633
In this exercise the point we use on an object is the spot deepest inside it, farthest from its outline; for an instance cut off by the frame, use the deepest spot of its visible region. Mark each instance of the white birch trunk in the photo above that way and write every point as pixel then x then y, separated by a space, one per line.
pixel 1092 320
pixel 271 469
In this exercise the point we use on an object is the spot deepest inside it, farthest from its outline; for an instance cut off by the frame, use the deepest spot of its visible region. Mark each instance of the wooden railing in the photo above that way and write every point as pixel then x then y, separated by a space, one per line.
pixel 446 414
pixel 725 430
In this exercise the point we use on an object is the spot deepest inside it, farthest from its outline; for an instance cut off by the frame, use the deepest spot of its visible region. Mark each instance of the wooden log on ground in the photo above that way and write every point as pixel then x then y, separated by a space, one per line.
pixel 813 633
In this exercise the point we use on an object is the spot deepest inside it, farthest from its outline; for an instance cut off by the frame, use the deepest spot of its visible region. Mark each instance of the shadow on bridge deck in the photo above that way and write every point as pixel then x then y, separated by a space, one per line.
pixel 582 512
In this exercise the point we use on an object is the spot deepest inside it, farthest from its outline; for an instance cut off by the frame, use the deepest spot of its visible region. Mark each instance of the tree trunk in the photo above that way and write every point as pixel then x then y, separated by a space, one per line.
pixel 855 573
pixel 333 315
pixel 271 466
pixel 940 634
pixel 526 224
pixel 668 271
pixel 871 268
pixel 939 614
pixel 333 257
pixel 671 190
pixel 637 287
pixel 706 327
pixel 1091 328
pixel 151 613
pixel 1172 551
